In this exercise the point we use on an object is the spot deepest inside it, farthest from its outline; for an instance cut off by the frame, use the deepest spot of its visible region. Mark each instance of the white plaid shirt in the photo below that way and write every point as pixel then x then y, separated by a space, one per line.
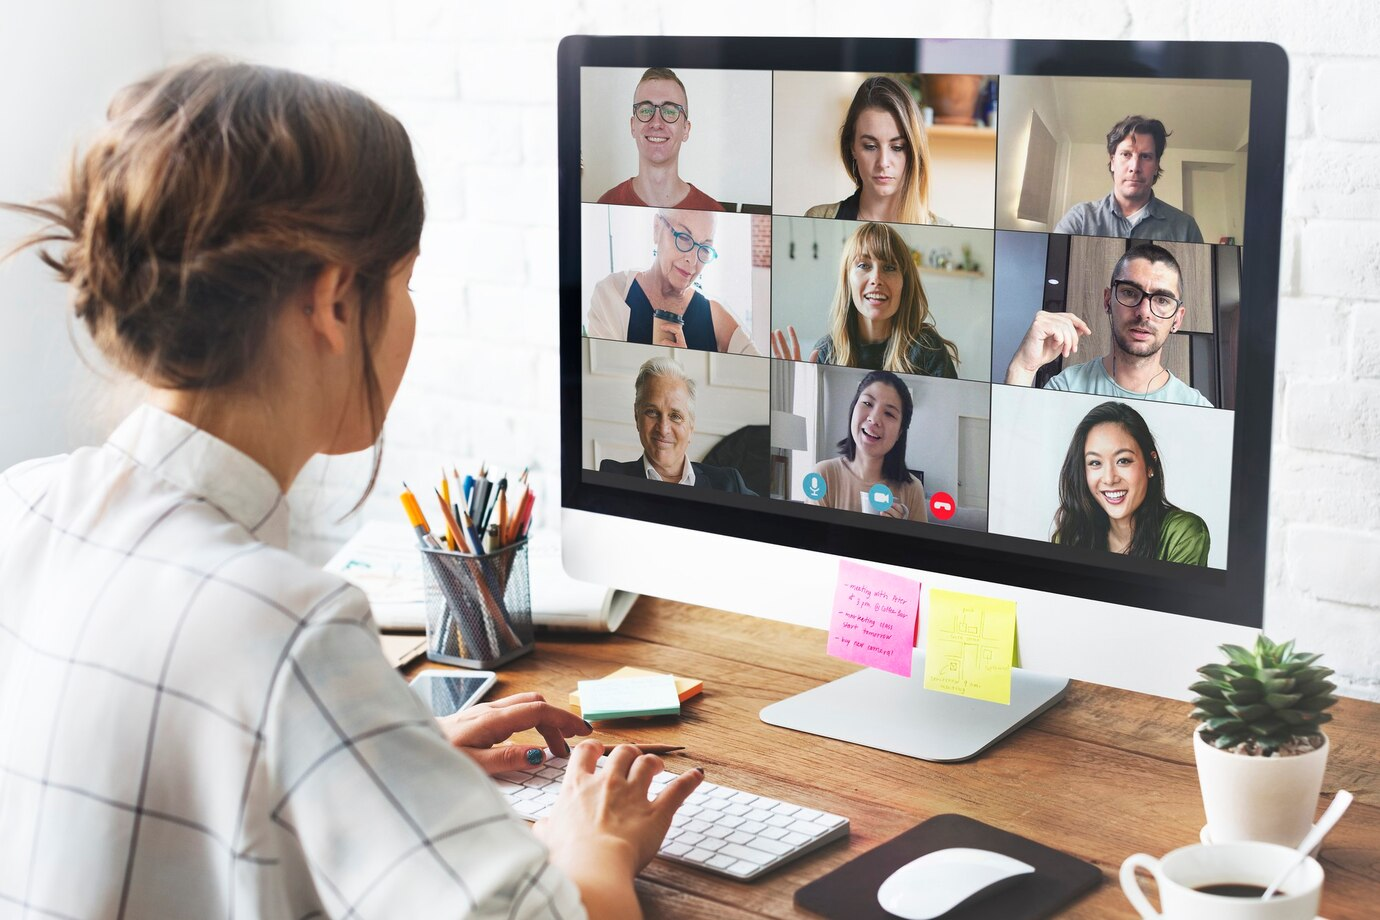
pixel 195 723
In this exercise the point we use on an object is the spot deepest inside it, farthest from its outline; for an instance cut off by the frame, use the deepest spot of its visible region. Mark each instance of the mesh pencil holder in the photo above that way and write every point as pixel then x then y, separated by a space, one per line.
pixel 478 608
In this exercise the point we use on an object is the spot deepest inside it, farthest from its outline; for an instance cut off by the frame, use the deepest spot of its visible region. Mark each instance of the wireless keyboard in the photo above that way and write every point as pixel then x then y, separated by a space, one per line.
pixel 718 829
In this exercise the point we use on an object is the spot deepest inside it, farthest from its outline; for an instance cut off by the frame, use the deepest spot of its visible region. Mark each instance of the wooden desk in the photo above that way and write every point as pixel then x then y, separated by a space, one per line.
pixel 1104 774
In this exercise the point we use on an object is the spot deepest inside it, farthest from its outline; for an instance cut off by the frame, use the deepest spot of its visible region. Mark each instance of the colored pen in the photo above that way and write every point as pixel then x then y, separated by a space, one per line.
pixel 524 520
pixel 515 503
pixel 489 510
pixel 477 543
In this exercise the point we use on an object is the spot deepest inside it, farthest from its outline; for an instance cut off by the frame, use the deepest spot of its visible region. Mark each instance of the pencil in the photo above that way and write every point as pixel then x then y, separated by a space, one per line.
pixel 417 519
pixel 457 537
pixel 647 748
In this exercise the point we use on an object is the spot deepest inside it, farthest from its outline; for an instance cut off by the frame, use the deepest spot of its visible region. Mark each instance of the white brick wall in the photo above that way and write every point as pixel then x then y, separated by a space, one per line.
pixel 475 83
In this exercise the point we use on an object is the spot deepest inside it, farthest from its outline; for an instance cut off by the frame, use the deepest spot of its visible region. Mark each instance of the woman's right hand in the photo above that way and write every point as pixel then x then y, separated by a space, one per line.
pixel 603 829
pixel 668 333
pixel 789 348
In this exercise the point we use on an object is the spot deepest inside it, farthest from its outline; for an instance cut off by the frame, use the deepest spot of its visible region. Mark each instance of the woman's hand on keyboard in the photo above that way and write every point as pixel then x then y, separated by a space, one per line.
pixel 482 731
pixel 603 822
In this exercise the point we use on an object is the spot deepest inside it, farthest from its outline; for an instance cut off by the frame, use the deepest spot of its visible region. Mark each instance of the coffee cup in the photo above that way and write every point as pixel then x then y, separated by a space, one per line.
pixel 865 499
pixel 1224 882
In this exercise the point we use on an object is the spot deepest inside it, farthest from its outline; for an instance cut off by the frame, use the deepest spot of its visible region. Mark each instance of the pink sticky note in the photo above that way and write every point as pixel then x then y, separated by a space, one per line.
pixel 874 618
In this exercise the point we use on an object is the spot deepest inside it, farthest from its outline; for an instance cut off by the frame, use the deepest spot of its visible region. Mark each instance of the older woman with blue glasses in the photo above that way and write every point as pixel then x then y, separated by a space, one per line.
pixel 660 305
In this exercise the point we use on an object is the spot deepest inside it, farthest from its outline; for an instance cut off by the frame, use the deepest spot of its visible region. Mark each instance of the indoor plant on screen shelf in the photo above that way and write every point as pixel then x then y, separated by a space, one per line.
pixel 1260 752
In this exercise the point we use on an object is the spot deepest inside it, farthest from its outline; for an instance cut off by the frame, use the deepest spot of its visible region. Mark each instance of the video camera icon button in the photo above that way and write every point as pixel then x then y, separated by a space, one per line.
pixel 815 487
pixel 880 497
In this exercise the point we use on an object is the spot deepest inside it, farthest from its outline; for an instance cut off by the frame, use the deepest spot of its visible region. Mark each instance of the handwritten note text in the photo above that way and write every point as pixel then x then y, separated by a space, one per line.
pixel 874 618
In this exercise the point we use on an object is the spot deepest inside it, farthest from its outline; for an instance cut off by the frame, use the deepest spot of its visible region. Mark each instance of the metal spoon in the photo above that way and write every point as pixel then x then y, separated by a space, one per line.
pixel 1340 802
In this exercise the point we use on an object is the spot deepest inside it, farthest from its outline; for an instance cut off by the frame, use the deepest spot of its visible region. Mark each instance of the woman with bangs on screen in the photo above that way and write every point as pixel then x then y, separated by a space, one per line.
pixel 887 155
pixel 1112 493
pixel 880 318
pixel 873 451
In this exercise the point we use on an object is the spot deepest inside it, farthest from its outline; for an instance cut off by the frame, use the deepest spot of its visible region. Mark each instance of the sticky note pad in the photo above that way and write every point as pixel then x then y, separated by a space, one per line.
pixel 622 698
pixel 874 618
pixel 686 687
pixel 968 644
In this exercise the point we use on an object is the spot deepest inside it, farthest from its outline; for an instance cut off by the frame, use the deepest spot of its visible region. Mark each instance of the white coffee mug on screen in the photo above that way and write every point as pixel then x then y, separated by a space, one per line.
pixel 865 498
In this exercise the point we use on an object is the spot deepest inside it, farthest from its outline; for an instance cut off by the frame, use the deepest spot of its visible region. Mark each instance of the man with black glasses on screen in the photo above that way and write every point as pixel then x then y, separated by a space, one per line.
pixel 1144 305
pixel 660 124
pixel 1134 147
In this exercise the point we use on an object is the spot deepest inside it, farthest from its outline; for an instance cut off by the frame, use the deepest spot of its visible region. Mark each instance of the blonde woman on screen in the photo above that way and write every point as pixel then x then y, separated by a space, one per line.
pixel 197 721
pixel 880 317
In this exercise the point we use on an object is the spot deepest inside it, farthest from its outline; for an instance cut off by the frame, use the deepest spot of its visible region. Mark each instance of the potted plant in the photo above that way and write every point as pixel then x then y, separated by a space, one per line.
pixel 1260 752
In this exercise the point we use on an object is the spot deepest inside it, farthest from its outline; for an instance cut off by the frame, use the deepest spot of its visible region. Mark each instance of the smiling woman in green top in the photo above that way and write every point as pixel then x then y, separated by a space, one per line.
pixel 1112 493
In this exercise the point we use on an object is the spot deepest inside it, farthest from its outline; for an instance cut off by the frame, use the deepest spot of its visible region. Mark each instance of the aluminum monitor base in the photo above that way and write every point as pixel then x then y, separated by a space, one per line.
pixel 892 713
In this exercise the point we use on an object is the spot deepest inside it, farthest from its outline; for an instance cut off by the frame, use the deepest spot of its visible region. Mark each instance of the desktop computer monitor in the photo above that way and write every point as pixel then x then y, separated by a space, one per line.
pixel 999 314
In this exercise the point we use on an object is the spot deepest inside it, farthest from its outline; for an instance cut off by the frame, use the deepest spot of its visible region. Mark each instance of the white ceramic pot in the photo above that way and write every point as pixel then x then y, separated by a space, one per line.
pixel 1270 799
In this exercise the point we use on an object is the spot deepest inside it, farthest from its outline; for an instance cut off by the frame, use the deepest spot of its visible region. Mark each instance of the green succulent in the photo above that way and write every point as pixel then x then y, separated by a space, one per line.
pixel 1267 696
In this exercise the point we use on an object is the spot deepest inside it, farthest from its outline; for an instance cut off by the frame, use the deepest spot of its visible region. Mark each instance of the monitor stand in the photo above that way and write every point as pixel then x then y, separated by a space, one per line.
pixel 893 713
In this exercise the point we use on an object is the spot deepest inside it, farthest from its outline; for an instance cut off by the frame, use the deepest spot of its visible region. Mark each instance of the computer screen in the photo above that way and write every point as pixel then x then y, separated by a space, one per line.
pixel 999 312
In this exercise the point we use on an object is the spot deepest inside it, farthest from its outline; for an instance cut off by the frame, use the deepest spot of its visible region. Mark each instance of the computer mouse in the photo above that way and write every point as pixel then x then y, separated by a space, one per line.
pixel 937 882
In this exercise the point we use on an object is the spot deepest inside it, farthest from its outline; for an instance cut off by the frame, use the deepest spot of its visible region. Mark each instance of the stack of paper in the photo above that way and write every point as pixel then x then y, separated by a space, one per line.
pixel 627 697
pixel 686 687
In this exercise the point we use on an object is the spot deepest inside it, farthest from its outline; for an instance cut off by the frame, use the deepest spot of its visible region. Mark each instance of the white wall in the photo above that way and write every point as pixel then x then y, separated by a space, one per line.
pixel 1019 98
pixel 474 83
pixel 55 82
pixel 728 155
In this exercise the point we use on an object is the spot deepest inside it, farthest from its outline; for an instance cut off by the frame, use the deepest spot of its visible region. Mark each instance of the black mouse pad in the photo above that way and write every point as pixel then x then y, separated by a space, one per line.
pixel 850 891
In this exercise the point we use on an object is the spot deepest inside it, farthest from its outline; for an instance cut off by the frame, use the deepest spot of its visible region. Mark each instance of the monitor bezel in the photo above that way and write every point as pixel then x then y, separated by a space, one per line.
pixel 1235 595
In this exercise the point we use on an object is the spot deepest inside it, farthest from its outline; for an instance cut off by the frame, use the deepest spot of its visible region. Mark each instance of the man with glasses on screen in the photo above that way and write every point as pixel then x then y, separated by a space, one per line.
pixel 1134 147
pixel 1144 306
pixel 660 124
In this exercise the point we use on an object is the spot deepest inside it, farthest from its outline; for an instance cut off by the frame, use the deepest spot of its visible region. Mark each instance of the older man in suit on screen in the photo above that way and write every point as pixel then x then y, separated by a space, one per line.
pixel 664 410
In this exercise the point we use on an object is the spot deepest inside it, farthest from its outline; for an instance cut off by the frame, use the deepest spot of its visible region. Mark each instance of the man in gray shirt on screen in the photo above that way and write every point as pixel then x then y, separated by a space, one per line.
pixel 1134 147
pixel 1144 306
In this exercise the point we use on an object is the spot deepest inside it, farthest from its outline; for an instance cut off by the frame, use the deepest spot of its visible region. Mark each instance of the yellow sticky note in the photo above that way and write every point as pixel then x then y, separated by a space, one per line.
pixel 969 640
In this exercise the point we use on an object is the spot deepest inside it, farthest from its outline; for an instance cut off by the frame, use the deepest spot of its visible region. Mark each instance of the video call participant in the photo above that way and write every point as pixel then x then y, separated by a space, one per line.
pixel 659 305
pixel 1144 306
pixel 887 155
pixel 660 124
pixel 1112 493
pixel 1134 147
pixel 664 410
pixel 880 317
pixel 874 450
pixel 193 717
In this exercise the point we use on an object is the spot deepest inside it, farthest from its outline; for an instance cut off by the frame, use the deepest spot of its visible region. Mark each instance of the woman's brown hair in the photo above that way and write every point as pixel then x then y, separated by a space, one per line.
pixel 214 192
pixel 912 328
pixel 885 93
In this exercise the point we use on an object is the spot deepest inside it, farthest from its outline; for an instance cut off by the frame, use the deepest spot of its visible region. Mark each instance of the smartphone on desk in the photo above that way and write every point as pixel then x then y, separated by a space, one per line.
pixel 448 692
